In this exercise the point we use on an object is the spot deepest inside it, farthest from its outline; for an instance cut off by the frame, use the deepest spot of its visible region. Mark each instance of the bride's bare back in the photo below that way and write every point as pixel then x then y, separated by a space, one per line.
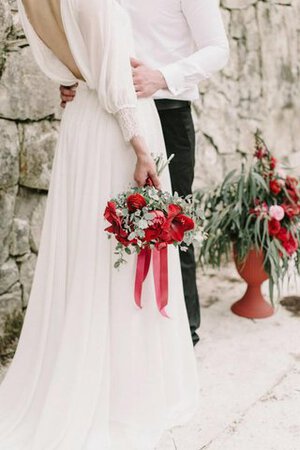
pixel 45 18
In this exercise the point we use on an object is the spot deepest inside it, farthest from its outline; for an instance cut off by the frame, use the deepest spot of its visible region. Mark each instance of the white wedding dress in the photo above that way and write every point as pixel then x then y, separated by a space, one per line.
pixel 92 371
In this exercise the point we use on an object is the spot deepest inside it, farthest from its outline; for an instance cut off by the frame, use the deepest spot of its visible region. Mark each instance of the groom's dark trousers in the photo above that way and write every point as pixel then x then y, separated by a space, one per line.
pixel 179 134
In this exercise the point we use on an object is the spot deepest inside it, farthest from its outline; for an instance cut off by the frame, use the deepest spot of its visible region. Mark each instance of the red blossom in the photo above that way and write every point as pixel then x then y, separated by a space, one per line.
pixel 273 162
pixel 291 245
pixel 260 209
pixel 275 186
pixel 293 188
pixel 155 229
pixel 291 209
pixel 293 195
pixel 283 235
pixel 115 220
pixel 124 240
pixel 176 225
pixel 135 202
pixel 292 182
pixel 274 227
pixel 260 153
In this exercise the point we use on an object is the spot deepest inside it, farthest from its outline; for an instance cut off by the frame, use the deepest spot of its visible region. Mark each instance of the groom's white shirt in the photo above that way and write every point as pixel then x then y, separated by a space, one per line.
pixel 184 39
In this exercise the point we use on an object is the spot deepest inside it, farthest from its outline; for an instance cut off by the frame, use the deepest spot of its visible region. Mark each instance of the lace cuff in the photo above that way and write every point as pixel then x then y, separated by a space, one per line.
pixel 128 121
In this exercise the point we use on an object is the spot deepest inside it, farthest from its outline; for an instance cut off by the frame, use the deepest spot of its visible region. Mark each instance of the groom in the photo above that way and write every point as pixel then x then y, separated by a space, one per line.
pixel 179 43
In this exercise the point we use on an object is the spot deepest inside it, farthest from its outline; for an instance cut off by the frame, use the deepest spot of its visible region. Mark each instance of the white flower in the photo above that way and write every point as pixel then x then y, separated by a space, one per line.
pixel 276 212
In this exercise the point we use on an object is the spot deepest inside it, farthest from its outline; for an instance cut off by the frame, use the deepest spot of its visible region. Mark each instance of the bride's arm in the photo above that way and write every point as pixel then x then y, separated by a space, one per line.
pixel 109 62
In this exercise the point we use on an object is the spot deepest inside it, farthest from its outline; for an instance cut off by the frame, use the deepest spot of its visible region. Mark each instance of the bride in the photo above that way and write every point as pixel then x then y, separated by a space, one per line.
pixel 92 371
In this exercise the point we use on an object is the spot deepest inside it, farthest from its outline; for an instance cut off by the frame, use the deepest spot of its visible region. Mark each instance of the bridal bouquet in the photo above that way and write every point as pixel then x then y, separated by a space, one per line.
pixel 145 221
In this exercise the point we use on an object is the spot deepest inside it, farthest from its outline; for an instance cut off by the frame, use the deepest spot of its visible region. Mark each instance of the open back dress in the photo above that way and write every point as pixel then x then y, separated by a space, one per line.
pixel 92 371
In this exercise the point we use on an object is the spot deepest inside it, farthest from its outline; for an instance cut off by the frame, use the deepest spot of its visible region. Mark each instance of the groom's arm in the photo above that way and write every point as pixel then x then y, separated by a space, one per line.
pixel 207 31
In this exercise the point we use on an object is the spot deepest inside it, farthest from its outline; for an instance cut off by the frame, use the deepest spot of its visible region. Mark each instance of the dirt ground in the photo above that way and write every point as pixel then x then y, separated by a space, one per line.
pixel 249 373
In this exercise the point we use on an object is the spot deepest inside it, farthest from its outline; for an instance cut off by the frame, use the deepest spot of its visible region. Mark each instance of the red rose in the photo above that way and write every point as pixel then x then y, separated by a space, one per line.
pixel 136 201
pixel 154 231
pixel 176 225
pixel 275 186
pixel 112 217
pixel 291 209
pixel 283 234
pixel 274 227
pixel 273 162
pixel 290 246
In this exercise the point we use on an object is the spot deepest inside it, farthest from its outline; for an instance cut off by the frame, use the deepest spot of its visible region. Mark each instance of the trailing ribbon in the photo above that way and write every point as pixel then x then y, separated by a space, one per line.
pixel 160 272
pixel 142 269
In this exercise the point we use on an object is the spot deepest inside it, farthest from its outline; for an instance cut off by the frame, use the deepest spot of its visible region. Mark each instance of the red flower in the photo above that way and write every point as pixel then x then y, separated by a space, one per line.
pixel 112 217
pixel 154 231
pixel 260 153
pixel 176 225
pixel 274 227
pixel 260 209
pixel 275 186
pixel 273 162
pixel 291 209
pixel 292 182
pixel 283 234
pixel 293 195
pixel 136 201
pixel 124 240
pixel 291 245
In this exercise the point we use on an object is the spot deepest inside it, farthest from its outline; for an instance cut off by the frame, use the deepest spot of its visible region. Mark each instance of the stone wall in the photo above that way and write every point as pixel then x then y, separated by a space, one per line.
pixel 259 88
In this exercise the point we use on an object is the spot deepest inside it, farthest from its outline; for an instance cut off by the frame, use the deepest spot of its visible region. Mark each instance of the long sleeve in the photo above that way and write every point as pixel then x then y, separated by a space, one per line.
pixel 105 30
pixel 207 29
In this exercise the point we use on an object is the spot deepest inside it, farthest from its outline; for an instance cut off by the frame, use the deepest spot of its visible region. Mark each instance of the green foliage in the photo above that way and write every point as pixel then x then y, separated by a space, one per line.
pixel 237 211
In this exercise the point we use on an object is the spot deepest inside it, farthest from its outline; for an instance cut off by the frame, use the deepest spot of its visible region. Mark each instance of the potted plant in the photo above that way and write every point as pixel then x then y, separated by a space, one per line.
pixel 255 211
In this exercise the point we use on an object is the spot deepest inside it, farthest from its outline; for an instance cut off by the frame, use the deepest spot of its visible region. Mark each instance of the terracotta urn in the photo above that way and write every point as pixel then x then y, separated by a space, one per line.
pixel 253 304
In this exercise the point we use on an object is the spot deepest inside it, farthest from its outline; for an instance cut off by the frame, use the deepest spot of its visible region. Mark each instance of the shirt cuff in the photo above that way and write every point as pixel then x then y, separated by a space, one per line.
pixel 174 78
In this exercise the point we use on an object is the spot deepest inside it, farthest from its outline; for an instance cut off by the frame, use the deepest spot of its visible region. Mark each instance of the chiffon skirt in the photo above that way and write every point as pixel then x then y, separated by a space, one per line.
pixel 92 371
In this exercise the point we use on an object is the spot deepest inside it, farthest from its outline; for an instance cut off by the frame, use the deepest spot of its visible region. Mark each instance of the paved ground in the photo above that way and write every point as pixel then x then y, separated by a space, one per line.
pixel 249 376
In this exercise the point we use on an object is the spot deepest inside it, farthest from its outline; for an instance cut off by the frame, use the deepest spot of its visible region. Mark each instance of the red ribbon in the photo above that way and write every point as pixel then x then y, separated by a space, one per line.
pixel 160 272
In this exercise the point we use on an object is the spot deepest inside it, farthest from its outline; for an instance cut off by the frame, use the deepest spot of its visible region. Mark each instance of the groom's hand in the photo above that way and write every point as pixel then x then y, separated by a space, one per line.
pixel 146 81
pixel 67 94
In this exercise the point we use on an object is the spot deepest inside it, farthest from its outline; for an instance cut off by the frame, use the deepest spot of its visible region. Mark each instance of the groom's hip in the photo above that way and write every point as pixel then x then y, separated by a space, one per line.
pixel 165 104
pixel 179 134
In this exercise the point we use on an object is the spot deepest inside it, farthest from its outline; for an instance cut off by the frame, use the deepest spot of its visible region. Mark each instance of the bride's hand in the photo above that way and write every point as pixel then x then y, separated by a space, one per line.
pixel 145 168
pixel 145 165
